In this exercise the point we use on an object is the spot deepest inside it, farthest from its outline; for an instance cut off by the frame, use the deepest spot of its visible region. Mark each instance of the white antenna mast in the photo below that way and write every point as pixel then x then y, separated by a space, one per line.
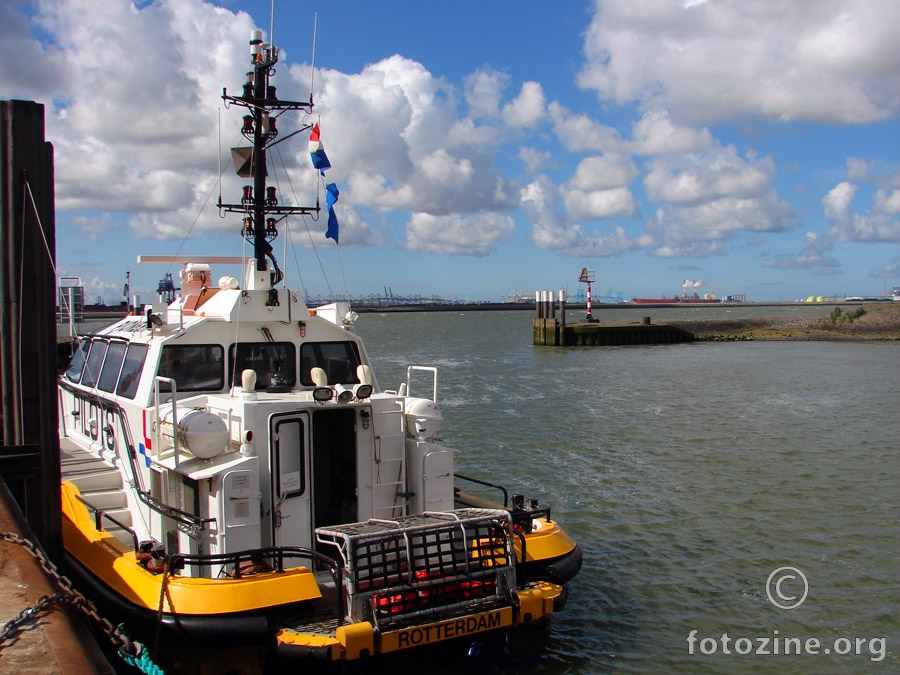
pixel 312 72
pixel 272 26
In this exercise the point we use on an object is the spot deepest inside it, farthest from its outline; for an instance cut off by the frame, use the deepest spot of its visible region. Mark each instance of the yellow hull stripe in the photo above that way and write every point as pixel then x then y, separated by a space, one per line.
pixel 546 543
pixel 114 564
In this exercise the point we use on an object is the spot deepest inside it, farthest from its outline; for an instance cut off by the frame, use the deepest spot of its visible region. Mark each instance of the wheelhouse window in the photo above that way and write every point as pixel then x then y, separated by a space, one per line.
pixel 131 370
pixel 112 364
pixel 76 365
pixel 275 363
pixel 193 367
pixel 338 359
pixel 94 363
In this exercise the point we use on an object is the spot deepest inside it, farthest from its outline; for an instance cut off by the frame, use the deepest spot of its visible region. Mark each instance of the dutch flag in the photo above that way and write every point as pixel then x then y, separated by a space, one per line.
pixel 317 151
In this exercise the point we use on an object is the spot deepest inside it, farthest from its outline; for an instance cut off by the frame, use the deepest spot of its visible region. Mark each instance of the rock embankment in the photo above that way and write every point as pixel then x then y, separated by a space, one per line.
pixel 881 321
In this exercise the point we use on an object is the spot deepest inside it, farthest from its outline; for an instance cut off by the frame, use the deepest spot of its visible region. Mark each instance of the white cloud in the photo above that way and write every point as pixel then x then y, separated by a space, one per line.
pixel 888 271
pixel 717 220
pixel 655 133
pixel 398 128
pixel 528 109
pixel 813 255
pixel 603 172
pixel 579 133
pixel 609 203
pixel 549 229
pixel 848 225
pixel 483 91
pixel 887 202
pixel 470 235
pixel 696 178
pixel 825 61
pixel 93 226
pixel 535 160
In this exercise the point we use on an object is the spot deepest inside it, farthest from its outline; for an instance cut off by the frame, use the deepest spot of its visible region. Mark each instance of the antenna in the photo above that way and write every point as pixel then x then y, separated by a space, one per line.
pixel 312 72
pixel 272 25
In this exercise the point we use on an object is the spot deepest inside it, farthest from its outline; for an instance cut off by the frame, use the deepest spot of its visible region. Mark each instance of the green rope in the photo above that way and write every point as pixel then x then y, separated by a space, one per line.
pixel 142 661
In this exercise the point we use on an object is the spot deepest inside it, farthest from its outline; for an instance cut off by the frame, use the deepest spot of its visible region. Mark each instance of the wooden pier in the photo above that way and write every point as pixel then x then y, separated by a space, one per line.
pixel 550 331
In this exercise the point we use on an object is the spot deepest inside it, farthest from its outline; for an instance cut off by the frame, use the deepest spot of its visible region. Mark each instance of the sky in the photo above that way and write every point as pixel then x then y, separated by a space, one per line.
pixel 483 147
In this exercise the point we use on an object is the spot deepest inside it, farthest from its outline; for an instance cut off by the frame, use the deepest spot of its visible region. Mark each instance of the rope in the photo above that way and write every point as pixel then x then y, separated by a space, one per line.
pixel 163 594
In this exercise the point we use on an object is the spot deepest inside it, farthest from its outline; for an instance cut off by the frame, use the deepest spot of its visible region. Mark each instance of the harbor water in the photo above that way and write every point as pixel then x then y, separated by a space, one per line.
pixel 689 474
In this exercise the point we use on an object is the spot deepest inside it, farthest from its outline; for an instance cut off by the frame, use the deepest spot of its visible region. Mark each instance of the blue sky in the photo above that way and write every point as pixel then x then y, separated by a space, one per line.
pixel 483 148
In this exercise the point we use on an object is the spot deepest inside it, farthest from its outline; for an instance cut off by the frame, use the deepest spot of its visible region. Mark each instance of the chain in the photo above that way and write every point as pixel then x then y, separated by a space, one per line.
pixel 66 596
pixel 13 626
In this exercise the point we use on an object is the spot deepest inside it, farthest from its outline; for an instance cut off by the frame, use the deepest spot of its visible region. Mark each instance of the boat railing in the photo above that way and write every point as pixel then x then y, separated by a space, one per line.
pixel 428 369
pixel 486 484
pixel 157 431
pixel 100 515
pixel 193 524
pixel 521 516
pixel 258 559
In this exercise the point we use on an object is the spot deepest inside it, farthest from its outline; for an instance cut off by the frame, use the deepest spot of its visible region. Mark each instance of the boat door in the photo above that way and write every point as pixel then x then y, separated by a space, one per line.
pixel 291 509
pixel 335 498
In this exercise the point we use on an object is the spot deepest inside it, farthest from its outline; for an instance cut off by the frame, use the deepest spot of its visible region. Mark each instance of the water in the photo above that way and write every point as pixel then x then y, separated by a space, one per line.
pixel 688 474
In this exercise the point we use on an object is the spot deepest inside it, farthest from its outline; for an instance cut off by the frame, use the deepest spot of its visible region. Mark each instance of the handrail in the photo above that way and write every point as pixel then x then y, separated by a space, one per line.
pixel 100 514
pixel 276 554
pixel 158 432
pixel 194 524
pixel 427 369
pixel 486 484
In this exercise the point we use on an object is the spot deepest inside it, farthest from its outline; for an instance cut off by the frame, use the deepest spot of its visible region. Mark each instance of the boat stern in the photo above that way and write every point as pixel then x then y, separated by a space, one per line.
pixel 421 580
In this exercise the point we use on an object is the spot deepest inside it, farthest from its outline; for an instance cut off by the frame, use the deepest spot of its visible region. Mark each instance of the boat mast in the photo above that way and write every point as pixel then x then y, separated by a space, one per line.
pixel 259 203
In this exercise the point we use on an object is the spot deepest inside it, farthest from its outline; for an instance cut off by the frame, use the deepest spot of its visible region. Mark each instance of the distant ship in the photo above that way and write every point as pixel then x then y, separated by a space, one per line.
pixel 688 296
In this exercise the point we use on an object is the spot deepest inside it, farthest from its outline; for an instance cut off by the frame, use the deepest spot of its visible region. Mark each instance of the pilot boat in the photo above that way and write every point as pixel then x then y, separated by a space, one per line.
pixel 238 487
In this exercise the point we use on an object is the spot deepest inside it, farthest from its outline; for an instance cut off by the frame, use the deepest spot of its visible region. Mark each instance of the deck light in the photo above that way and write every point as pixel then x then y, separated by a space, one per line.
pixel 322 394
pixel 363 391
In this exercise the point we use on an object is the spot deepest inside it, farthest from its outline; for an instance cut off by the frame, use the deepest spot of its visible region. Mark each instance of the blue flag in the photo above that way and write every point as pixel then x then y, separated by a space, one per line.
pixel 331 197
